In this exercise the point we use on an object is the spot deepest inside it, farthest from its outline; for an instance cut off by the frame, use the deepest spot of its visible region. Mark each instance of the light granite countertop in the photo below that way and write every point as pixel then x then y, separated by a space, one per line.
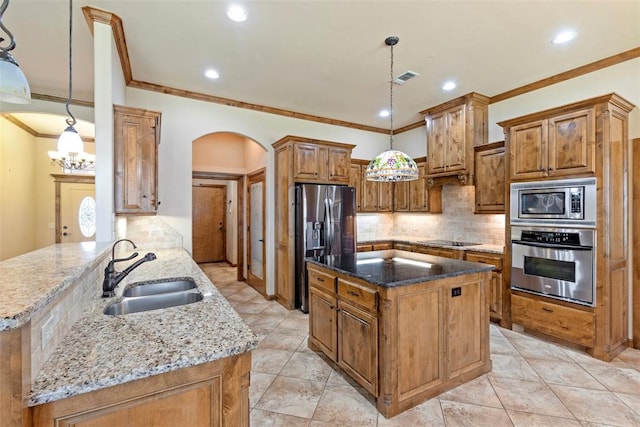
pixel 102 351
pixel 440 243
pixel 28 282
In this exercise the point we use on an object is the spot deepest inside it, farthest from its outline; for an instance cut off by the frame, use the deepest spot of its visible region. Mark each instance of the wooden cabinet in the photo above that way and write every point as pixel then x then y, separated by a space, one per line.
pixel 355 181
pixel 211 394
pixel 496 287
pixel 299 159
pixel 490 178
pixel 453 129
pixel 136 138
pixel 557 146
pixel 588 138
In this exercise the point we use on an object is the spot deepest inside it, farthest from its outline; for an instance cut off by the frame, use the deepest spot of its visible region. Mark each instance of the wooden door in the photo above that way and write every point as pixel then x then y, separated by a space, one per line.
pixel 455 142
pixel 436 143
pixel 323 327
pixel 572 143
pixel 418 193
pixel 369 195
pixel 77 213
pixel 385 197
pixel 528 150
pixel 339 162
pixel 355 180
pixel 255 233
pixel 401 196
pixel 306 161
pixel 208 222
pixel 490 180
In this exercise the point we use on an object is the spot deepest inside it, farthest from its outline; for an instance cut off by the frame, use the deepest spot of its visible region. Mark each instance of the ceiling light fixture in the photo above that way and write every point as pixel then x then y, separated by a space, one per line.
pixel 564 37
pixel 70 154
pixel 14 86
pixel 450 85
pixel 384 113
pixel 391 165
pixel 237 13
pixel 212 74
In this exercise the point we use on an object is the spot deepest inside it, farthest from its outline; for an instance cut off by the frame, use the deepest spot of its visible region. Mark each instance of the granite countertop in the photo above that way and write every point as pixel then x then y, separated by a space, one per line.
pixel 101 351
pixel 393 268
pixel 442 243
pixel 28 282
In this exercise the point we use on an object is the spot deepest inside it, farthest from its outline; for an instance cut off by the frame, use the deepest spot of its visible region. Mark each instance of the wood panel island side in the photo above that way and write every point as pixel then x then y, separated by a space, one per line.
pixel 405 326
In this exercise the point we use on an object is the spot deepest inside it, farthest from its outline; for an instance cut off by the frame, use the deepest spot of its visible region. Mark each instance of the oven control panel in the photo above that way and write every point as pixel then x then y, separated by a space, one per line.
pixel 553 237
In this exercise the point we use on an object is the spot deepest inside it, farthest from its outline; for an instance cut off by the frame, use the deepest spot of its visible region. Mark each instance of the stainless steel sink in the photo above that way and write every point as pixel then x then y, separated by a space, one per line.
pixel 159 286
pixel 153 302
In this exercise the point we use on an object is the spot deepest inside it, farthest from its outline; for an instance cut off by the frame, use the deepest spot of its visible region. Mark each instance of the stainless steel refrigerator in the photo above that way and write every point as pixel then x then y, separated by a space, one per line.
pixel 325 225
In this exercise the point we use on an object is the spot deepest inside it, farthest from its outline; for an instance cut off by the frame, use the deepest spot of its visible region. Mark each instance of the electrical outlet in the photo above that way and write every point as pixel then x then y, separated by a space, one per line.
pixel 47 331
pixel 456 292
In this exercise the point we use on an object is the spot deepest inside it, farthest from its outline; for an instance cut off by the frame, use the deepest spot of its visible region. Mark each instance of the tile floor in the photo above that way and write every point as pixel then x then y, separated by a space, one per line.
pixel 533 382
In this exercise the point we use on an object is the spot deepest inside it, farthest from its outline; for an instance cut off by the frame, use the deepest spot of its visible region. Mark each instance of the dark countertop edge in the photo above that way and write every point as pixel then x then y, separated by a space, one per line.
pixel 477 268
pixel 485 247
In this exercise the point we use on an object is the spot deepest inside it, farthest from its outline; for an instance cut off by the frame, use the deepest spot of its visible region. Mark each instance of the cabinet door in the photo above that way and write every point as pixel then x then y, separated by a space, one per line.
pixel 495 296
pixel 339 162
pixel 355 180
pixel 490 181
pixel 323 322
pixel 135 162
pixel 385 197
pixel 455 141
pixel 572 143
pixel 370 195
pixel 436 144
pixel 401 196
pixel 418 193
pixel 283 267
pixel 528 150
pixel 358 345
pixel 306 162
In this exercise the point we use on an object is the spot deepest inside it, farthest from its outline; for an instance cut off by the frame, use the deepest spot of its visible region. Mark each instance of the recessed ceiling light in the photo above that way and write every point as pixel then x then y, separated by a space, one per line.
pixel 384 113
pixel 563 37
pixel 212 74
pixel 237 13
pixel 450 85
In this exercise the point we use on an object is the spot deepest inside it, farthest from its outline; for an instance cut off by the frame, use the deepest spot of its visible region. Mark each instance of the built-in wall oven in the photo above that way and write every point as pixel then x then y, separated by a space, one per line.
pixel 553 238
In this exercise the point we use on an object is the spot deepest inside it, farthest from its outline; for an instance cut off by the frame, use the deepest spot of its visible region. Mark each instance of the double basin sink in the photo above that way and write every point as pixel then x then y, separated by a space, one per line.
pixel 155 294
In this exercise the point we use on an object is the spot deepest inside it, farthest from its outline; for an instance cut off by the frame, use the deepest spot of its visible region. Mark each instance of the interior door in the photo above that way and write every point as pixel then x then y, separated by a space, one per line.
pixel 255 233
pixel 77 212
pixel 208 223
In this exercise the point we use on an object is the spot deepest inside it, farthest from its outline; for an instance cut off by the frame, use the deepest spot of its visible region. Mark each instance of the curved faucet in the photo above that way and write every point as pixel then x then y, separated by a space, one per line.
pixel 111 277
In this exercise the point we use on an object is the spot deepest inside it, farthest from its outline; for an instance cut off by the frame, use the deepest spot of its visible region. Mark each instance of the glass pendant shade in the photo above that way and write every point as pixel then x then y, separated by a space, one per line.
pixel 14 87
pixel 70 141
pixel 392 166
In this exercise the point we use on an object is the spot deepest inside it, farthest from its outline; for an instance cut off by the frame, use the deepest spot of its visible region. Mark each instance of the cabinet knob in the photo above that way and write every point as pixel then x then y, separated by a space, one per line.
pixel 548 310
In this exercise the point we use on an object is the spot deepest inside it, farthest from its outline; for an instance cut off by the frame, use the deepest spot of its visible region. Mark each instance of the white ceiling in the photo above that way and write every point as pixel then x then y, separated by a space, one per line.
pixel 327 58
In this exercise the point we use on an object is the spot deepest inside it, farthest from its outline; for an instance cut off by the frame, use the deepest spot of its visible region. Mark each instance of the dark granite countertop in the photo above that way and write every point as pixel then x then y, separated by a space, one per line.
pixel 392 268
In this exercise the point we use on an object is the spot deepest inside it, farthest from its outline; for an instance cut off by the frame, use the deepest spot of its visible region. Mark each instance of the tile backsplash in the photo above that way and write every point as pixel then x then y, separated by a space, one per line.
pixel 456 222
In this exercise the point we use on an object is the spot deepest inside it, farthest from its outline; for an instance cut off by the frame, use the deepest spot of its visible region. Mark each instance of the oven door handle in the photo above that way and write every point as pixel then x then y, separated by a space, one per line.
pixel 552 246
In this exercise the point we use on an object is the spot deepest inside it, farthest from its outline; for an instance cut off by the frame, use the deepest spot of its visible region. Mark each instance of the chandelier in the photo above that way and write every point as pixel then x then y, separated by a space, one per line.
pixel 392 165
pixel 70 153
pixel 14 87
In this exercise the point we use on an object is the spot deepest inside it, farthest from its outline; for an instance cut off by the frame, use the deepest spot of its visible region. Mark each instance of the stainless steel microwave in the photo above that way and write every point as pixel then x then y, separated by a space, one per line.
pixel 562 202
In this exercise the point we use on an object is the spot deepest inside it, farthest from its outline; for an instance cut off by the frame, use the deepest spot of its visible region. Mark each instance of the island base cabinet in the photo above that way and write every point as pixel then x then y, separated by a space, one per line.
pixel 211 394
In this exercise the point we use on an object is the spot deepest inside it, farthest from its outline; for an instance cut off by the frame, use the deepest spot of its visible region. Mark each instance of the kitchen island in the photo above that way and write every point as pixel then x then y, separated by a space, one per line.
pixel 185 365
pixel 405 326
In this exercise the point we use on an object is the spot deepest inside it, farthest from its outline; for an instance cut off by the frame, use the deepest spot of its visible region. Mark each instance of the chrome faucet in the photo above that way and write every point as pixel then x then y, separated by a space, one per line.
pixel 112 277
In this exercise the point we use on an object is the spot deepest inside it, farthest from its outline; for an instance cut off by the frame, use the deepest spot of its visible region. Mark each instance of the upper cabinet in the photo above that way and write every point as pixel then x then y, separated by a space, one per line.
pixel 558 145
pixel 320 162
pixel 136 138
pixel 453 129
pixel 490 178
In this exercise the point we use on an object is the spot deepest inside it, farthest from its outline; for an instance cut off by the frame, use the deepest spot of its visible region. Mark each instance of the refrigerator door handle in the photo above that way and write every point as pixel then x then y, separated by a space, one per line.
pixel 328 229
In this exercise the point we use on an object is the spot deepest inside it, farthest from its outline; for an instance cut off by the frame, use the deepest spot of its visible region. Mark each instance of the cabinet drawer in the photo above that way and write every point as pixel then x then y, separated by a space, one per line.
pixel 556 320
pixel 429 250
pixel 321 280
pixel 485 258
pixel 361 247
pixel 359 294
pixel 383 246
pixel 403 247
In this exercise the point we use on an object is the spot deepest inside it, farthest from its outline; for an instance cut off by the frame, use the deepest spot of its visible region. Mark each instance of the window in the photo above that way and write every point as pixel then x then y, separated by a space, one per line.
pixel 87 216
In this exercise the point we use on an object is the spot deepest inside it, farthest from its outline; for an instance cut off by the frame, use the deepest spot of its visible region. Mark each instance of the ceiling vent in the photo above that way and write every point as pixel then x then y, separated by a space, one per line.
pixel 407 75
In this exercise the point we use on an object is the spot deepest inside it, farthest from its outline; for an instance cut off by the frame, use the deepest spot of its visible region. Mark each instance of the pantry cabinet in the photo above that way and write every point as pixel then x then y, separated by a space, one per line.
pixel 490 178
pixel 453 129
pixel 299 159
pixel 136 137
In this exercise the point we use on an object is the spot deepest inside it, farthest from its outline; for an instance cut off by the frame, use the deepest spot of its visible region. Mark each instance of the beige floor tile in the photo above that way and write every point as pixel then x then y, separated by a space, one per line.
pixel 564 373
pixel 525 419
pixel 528 396
pixel 269 360
pixel 291 396
pixel 477 392
pixel 260 381
pixel 307 366
pixel 621 380
pixel 500 345
pixel 263 323
pixel 427 414
pixel 596 406
pixel 276 309
pixel 342 405
pixel 260 418
pixel 295 322
pixel 631 357
pixel 465 415
pixel 631 400
pixel 282 341
pixel 515 367
pixel 531 348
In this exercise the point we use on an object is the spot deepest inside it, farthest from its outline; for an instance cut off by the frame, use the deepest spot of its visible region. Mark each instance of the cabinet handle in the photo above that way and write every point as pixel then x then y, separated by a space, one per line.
pixel 355 294
pixel 319 279
pixel 548 310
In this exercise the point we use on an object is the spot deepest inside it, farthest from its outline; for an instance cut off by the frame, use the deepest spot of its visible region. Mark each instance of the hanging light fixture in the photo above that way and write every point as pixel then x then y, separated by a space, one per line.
pixel 70 154
pixel 14 87
pixel 392 165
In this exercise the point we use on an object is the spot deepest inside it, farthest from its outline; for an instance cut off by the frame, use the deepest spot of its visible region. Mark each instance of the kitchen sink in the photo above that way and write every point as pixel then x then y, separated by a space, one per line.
pixel 159 286
pixel 153 302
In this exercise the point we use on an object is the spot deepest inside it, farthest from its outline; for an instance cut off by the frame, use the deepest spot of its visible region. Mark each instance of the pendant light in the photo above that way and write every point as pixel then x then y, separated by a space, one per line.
pixel 392 165
pixel 14 87
pixel 70 154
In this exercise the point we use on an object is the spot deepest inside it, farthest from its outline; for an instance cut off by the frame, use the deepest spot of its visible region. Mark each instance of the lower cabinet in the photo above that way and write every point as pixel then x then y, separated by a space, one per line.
pixel 496 290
